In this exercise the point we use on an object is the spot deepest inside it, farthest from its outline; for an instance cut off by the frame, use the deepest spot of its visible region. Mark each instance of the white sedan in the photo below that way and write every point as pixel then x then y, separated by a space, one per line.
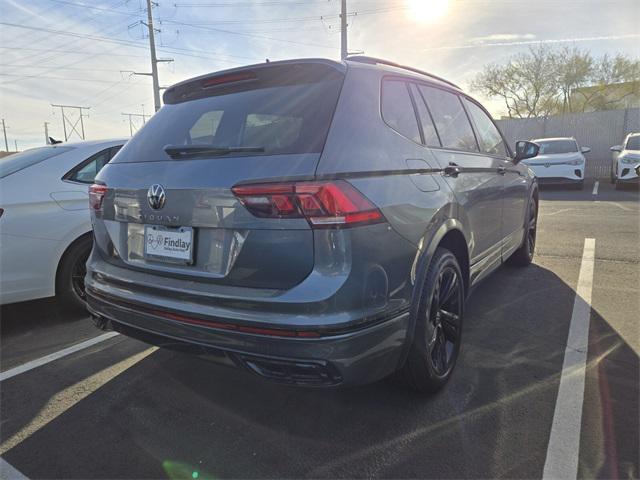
pixel 45 228
pixel 625 164
pixel 560 161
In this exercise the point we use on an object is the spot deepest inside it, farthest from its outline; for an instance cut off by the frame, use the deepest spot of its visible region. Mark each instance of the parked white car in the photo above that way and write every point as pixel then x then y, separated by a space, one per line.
pixel 560 162
pixel 45 228
pixel 626 161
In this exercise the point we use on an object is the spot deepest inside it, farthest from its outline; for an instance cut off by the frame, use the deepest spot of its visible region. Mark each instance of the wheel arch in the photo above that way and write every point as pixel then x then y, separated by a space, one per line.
pixel 450 235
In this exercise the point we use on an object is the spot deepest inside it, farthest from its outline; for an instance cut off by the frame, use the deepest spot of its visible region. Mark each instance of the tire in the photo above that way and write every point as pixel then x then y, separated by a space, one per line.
pixel 436 340
pixel 579 185
pixel 619 185
pixel 524 255
pixel 70 277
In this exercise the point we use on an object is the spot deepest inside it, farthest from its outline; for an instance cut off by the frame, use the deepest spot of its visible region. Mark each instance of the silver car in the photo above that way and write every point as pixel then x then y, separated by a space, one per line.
pixel 313 222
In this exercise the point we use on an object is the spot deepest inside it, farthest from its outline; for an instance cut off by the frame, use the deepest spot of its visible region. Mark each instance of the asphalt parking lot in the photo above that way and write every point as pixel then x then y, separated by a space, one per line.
pixel 120 409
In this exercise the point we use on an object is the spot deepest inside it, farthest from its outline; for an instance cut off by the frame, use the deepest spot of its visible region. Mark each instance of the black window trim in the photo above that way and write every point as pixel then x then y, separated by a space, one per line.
pixel 509 154
pixel 433 122
pixel 458 93
pixel 405 81
pixel 67 176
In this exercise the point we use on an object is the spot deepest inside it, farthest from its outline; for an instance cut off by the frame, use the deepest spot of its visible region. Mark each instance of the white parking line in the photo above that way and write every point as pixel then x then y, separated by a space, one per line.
pixel 595 188
pixel 70 396
pixel 25 367
pixel 9 472
pixel 564 440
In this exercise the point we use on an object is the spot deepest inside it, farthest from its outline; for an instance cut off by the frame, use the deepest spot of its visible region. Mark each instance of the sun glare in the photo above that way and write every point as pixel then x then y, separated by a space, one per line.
pixel 427 10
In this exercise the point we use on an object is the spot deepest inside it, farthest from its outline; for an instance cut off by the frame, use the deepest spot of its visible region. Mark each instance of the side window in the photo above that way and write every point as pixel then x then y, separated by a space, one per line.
pixel 451 120
pixel 488 135
pixel 428 128
pixel 90 168
pixel 397 110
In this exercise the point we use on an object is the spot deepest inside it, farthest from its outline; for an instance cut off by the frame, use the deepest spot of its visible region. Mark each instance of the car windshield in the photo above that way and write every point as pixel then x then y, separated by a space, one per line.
pixel 551 147
pixel 19 161
pixel 633 143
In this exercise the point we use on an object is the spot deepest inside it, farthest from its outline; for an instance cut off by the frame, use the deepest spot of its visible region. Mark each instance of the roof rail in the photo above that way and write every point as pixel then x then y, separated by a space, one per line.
pixel 374 60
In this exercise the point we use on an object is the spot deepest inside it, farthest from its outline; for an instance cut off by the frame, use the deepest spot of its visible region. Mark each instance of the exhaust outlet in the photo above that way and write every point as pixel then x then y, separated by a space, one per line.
pixel 101 323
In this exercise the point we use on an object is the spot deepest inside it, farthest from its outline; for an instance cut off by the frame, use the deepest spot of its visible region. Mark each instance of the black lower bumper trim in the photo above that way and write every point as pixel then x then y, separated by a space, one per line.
pixel 291 371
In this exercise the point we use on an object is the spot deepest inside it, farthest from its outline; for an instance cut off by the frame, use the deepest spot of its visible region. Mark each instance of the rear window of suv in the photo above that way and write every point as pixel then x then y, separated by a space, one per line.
pixel 288 118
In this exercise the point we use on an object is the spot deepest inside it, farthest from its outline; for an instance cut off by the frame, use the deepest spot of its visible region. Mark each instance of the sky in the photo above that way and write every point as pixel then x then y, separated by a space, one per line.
pixel 83 52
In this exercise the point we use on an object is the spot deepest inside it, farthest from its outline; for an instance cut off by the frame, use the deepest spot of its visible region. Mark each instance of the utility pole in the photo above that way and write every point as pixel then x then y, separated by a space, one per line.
pixel 4 130
pixel 135 115
pixel 15 142
pixel 46 133
pixel 67 121
pixel 154 59
pixel 343 30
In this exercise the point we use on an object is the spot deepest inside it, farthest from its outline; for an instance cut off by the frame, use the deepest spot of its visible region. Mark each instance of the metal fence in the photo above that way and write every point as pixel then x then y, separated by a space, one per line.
pixel 598 130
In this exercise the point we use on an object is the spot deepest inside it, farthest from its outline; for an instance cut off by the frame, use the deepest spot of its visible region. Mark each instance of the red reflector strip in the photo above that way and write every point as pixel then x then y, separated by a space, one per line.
pixel 273 332
pixel 232 77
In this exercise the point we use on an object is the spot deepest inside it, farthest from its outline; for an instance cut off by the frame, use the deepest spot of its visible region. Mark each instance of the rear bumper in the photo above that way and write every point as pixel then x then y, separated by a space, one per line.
pixel 357 356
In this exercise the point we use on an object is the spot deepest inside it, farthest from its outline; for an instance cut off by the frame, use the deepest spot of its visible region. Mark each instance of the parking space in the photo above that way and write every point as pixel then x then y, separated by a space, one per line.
pixel 123 409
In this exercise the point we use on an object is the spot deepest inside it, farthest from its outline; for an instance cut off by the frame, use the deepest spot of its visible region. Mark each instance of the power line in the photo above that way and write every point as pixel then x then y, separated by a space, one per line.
pixel 251 35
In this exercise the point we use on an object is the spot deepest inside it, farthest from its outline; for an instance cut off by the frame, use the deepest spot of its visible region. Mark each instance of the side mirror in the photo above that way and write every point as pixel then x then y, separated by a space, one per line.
pixel 525 150
pixel 585 149
pixel 616 148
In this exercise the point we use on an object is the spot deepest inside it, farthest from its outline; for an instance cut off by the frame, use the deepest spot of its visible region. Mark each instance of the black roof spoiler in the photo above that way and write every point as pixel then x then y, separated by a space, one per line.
pixel 186 89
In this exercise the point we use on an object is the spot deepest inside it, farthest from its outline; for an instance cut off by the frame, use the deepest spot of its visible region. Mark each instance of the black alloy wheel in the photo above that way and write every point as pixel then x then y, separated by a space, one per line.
pixel 443 321
pixel 439 313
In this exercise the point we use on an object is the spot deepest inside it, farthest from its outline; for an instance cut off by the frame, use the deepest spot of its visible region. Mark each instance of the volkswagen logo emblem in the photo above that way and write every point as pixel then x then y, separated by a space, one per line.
pixel 156 196
pixel 547 165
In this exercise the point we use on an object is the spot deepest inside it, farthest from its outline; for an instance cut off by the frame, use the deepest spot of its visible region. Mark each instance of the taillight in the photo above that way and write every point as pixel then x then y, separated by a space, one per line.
pixel 323 204
pixel 96 196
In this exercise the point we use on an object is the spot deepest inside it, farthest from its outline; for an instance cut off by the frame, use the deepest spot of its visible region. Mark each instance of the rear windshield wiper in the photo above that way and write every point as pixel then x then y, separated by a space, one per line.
pixel 191 151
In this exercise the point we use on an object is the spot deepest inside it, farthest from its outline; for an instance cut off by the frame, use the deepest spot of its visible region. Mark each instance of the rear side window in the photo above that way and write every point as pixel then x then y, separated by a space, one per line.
pixel 288 114
pixel 16 162
pixel 428 128
pixel 86 172
pixel 450 118
pixel 397 110
pixel 488 135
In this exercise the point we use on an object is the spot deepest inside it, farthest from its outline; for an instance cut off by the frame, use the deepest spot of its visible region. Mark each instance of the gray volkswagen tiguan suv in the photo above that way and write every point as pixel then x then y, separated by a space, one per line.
pixel 313 222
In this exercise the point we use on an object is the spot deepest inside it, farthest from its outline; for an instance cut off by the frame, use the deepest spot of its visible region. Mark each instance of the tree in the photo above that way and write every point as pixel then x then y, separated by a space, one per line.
pixel 610 82
pixel 573 69
pixel 542 82
pixel 526 84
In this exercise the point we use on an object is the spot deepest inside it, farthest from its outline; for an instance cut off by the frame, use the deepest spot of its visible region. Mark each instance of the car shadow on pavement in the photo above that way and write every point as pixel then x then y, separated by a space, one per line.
pixel 175 415
pixel 33 329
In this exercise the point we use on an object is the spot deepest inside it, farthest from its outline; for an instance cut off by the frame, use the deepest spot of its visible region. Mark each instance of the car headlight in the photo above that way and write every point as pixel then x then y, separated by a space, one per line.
pixel 576 162
pixel 628 160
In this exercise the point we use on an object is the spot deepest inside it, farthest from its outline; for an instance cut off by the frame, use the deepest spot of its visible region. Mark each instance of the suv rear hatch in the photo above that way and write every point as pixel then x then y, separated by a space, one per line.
pixel 165 203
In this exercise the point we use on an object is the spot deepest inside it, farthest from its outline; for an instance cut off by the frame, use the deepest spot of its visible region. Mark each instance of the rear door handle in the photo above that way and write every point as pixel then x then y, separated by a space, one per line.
pixel 502 170
pixel 452 170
